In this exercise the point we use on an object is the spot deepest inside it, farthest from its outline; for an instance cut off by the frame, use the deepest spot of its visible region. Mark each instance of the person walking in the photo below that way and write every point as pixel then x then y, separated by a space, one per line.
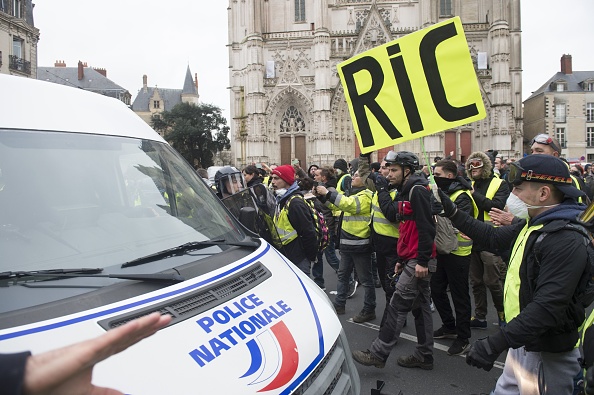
pixel 355 249
pixel 416 252
pixel 452 269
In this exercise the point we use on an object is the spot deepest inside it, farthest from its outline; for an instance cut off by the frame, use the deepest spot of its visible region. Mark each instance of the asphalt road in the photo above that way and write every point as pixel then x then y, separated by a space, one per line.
pixel 450 375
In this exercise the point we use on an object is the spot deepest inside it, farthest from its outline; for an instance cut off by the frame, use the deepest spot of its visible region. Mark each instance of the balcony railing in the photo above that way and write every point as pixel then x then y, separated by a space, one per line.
pixel 19 64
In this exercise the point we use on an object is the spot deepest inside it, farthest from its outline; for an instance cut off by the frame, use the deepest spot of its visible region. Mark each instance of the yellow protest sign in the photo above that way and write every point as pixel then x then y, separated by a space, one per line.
pixel 417 85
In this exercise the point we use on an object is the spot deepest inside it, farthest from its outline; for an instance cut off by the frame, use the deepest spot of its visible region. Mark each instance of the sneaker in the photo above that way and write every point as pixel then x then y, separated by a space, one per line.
pixel 339 309
pixel 364 316
pixel 412 362
pixel 352 289
pixel 445 333
pixel 368 359
pixel 476 323
pixel 459 347
pixel 501 319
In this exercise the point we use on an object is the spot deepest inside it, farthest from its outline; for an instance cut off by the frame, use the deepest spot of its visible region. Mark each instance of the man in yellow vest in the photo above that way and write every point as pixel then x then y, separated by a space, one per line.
pixel 355 248
pixel 293 220
pixel 486 268
pixel 542 305
pixel 452 269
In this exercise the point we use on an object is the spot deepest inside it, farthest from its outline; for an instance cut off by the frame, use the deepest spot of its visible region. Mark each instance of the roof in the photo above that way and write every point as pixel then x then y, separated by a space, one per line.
pixel 189 86
pixel 572 80
pixel 67 109
pixel 92 80
pixel 170 97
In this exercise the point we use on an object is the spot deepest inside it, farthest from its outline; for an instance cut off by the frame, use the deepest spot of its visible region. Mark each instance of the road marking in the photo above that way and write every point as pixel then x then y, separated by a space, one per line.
pixel 497 364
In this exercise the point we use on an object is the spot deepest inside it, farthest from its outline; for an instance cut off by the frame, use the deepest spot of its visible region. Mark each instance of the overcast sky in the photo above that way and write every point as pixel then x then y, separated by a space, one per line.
pixel 131 38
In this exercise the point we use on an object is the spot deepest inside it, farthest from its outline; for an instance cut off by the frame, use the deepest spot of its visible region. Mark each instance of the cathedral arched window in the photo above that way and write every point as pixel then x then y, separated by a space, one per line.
pixel 292 121
pixel 299 10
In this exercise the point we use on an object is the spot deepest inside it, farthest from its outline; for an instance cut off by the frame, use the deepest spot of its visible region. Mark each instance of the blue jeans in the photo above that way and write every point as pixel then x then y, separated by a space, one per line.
pixel 361 261
pixel 317 269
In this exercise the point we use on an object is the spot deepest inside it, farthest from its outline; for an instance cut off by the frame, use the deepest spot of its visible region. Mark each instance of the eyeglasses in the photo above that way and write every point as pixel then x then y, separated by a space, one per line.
pixel 545 139
pixel 518 175
pixel 475 163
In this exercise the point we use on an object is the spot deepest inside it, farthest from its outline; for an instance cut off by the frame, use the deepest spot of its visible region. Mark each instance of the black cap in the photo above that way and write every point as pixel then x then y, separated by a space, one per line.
pixel 546 169
pixel 342 165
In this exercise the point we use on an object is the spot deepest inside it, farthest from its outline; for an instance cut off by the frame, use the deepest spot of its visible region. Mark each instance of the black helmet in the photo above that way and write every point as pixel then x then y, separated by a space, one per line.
pixel 402 158
pixel 227 173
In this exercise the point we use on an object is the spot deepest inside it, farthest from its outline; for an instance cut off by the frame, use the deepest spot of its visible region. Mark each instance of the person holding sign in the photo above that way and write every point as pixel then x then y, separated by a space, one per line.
pixel 416 252
pixel 543 285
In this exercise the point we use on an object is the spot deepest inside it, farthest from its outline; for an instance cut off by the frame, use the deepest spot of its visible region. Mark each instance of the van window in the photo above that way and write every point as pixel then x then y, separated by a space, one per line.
pixel 70 200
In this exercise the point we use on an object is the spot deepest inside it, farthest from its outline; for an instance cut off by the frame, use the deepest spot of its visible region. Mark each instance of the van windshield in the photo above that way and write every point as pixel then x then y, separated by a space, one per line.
pixel 70 200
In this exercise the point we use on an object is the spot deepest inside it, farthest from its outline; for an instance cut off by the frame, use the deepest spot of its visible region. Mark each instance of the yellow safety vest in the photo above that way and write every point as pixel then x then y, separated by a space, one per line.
pixel 491 191
pixel 357 213
pixel 285 230
pixel 576 184
pixel 464 244
pixel 337 213
pixel 511 291
pixel 381 225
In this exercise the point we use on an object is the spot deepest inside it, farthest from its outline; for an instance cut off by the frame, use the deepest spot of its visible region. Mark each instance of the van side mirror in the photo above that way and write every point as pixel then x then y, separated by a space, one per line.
pixel 247 217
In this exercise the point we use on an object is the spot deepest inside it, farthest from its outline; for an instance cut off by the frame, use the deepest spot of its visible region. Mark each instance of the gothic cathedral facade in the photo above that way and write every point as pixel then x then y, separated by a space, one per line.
pixel 287 100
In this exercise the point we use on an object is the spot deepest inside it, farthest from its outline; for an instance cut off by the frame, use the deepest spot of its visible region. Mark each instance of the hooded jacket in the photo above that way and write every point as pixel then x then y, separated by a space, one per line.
pixel 481 185
pixel 550 313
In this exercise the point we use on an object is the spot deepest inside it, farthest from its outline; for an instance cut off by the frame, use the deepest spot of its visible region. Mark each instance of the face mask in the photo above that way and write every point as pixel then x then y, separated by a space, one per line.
pixel 517 207
pixel 281 192
pixel 444 183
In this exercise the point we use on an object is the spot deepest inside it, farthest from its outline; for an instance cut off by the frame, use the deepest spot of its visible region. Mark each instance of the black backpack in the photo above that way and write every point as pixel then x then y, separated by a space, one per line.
pixel 587 297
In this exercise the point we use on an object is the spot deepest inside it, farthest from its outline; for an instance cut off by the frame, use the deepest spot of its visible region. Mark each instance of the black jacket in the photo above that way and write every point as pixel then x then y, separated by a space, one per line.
pixel 12 372
pixel 550 313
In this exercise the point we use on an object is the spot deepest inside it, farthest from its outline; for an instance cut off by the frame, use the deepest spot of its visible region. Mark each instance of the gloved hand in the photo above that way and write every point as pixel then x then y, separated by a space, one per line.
pixel 436 206
pixel 449 208
pixel 381 183
pixel 589 381
pixel 367 155
pixel 484 352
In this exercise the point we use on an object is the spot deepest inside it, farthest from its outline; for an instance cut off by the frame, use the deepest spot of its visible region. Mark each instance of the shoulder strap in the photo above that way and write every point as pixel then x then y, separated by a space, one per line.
pixel 570 226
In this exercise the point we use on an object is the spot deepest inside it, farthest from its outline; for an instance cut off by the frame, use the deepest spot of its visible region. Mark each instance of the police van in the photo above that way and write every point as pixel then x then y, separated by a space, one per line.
pixel 101 222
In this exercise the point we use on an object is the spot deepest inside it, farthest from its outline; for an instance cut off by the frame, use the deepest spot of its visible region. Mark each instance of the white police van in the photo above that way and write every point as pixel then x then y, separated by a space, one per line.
pixel 101 221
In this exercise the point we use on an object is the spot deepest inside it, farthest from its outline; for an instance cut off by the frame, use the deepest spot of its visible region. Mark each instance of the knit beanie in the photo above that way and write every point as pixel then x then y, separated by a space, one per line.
pixel 342 165
pixel 286 173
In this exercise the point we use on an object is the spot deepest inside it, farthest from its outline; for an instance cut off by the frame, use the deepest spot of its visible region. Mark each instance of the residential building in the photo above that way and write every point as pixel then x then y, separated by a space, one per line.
pixel 18 38
pixel 286 97
pixel 84 77
pixel 150 101
pixel 564 108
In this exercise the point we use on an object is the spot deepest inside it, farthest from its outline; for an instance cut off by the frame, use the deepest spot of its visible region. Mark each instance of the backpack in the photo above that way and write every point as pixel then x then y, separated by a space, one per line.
pixel 322 232
pixel 446 240
pixel 587 296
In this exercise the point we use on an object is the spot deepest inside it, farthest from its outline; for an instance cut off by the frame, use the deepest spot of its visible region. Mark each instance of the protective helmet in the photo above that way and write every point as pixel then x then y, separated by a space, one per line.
pixel 228 181
pixel 402 158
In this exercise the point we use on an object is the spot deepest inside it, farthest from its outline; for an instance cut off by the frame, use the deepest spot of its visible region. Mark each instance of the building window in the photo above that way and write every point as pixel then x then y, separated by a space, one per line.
pixel 588 86
pixel 445 8
pixel 292 121
pixel 17 8
pixel 560 87
pixel 299 10
pixel 589 112
pixel 590 137
pixel 560 136
pixel 560 113
pixel 156 104
pixel 17 47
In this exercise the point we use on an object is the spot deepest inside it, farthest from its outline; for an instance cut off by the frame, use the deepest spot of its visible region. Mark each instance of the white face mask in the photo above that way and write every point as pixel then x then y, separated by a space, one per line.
pixel 517 207
pixel 280 192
